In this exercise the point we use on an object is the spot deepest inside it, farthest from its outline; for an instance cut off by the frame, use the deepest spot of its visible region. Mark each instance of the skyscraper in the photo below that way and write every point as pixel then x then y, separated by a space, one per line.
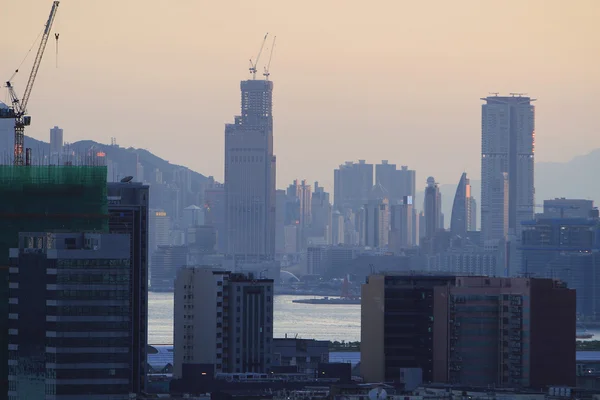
pixel 398 182
pixel 432 208
pixel 352 183
pixel 301 192
pixel 377 218
pixel 461 209
pixel 56 140
pixel 250 175
pixel 128 214
pixel 507 146
pixel 401 234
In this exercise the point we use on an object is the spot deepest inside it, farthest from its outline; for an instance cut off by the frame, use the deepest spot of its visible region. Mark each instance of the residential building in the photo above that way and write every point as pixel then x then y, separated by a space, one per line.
pixel 128 204
pixel 352 185
pixel 398 182
pixel 497 217
pixel 300 193
pixel 401 234
pixel 250 175
pixel 305 354
pixel 377 218
pixel 338 234
pixel 321 211
pixel 507 146
pixel 69 319
pixel 56 141
pixel 432 208
pixel 214 213
pixel 224 319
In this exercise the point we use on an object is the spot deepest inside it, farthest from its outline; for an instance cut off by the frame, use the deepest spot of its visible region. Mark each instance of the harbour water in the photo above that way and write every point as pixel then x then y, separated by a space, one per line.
pixel 308 321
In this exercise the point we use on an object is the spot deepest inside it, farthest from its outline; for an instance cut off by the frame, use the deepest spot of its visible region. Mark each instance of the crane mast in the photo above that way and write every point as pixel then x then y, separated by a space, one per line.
pixel 19 107
pixel 255 63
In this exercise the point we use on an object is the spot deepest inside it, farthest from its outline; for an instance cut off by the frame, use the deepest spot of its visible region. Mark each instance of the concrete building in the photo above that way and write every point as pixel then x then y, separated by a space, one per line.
pixel 377 218
pixel 567 249
pixel 472 223
pixel 338 234
pixel 432 208
pixel 300 193
pixel 497 217
pixel 250 175
pixel 401 234
pixel 507 146
pixel 69 321
pixel 193 216
pixel 223 319
pixel 494 333
pixel 398 182
pixel 214 213
pixel 321 211
pixel 305 354
pixel 160 230
pixel 322 260
pixel 166 261
pixel 352 185
pixel 478 331
pixel 128 214
pixel 568 208
pixel 280 218
pixel 461 208
pixel 56 141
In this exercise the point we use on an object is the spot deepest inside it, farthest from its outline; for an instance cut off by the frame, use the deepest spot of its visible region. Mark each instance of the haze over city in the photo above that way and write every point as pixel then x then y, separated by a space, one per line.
pixel 393 80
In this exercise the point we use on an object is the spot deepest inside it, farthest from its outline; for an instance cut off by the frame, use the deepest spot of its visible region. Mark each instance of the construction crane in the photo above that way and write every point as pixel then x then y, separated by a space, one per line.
pixel 268 66
pixel 255 63
pixel 19 107
pixel 562 208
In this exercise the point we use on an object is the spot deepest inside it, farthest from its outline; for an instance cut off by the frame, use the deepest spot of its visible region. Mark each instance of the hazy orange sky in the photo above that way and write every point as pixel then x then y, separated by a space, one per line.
pixel 397 80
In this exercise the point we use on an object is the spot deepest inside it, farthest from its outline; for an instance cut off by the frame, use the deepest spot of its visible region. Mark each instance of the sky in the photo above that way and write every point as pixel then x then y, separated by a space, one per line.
pixel 384 79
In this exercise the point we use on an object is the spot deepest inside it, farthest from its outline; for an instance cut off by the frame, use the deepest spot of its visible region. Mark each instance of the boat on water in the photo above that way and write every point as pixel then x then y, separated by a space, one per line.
pixel 329 300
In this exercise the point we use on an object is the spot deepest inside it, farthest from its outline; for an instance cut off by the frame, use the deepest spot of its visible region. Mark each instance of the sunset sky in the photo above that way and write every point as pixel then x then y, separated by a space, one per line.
pixel 396 80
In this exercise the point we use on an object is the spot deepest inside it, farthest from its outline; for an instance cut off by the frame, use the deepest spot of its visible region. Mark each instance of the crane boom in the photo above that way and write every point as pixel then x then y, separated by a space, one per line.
pixel 253 65
pixel 38 57
pixel 19 107
pixel 268 66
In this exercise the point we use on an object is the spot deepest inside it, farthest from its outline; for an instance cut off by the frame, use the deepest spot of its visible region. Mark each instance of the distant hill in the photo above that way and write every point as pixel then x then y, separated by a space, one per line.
pixel 125 158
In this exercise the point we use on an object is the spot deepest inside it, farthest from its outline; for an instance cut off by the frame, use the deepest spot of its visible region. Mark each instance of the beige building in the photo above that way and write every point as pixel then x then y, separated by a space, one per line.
pixel 224 319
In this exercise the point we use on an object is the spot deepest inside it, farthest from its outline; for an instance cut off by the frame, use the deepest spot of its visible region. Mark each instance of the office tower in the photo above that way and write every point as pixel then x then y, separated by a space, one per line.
pixel 507 146
pixel 7 141
pixel 461 209
pixel 401 234
pixel 567 249
pixel 201 240
pixel 250 175
pixel 494 332
pixel 497 217
pixel 416 228
pixel 128 204
pixel 352 183
pixel 224 319
pixel 472 223
pixel 432 208
pixel 338 228
pixel 568 208
pixel 69 316
pixel 477 331
pixel 193 216
pixel 377 218
pixel 74 199
pixel 397 320
pixel 398 182
pixel 214 213
pixel 56 140
pixel 166 261
pixel 160 229
pixel 321 224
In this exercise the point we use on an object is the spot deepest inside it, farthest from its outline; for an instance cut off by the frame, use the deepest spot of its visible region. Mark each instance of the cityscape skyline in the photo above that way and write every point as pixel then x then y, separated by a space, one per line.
pixel 565 50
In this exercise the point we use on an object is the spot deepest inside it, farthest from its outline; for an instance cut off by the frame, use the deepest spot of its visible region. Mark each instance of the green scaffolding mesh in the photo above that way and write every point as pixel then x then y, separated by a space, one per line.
pixel 45 199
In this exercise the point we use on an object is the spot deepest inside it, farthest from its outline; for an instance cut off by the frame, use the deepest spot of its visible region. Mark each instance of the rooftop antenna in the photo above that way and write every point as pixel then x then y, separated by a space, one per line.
pixel 267 73
pixel 253 64
pixel 518 94
pixel 495 94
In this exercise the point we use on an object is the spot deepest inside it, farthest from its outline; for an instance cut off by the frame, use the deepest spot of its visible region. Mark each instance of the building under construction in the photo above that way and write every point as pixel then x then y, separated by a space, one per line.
pixel 45 199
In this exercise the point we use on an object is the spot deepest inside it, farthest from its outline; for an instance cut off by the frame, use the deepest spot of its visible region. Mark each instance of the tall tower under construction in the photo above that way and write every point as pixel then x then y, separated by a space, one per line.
pixel 250 175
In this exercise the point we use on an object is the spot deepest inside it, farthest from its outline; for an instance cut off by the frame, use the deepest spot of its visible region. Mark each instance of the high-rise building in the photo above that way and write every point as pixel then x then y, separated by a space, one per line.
pixel 70 317
pixel 74 199
pixel 338 236
pixel 497 221
pixel 321 225
pixel 567 249
pixel 568 208
pixel 472 223
pixel 7 141
pixel 56 140
pixel 352 185
pixel 224 319
pixel 493 332
pixel 128 214
pixel 160 229
pixel 401 234
pixel 432 208
pixel 461 209
pixel 507 146
pixel 477 331
pixel 280 212
pixel 377 218
pixel 250 175
pixel 214 213
pixel 166 261
pixel 300 193
pixel 398 182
